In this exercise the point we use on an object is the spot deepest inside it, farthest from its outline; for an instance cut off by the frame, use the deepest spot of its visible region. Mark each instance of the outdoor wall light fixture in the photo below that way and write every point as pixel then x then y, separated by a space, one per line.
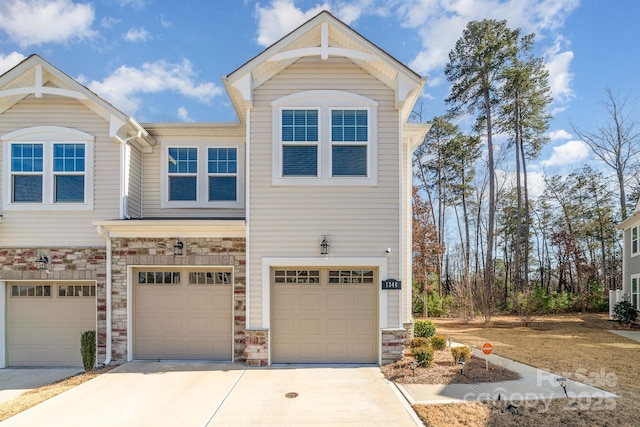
pixel 178 248
pixel 42 263
pixel 563 383
pixel 324 246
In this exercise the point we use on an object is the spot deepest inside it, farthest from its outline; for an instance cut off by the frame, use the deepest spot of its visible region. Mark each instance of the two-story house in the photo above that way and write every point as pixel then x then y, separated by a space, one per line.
pixel 630 262
pixel 283 237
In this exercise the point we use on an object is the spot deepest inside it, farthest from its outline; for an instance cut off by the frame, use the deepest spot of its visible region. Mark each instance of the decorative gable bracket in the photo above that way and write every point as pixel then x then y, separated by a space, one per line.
pixel 324 50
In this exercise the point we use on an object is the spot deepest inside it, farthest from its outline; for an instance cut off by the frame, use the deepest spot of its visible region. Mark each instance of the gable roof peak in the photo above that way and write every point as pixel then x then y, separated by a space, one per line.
pixel 35 76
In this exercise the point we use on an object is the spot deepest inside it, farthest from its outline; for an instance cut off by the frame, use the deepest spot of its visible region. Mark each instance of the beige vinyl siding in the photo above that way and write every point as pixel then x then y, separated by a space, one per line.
pixel 361 221
pixel 134 190
pixel 153 174
pixel 68 227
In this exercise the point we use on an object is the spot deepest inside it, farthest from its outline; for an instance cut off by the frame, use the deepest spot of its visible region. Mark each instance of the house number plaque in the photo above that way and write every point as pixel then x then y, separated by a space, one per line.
pixel 391 284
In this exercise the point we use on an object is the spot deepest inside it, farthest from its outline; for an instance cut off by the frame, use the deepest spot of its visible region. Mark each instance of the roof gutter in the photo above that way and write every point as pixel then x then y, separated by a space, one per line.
pixel 108 285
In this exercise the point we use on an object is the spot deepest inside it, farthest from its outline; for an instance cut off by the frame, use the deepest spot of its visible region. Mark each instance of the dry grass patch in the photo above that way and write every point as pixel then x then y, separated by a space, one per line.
pixel 576 346
pixel 38 395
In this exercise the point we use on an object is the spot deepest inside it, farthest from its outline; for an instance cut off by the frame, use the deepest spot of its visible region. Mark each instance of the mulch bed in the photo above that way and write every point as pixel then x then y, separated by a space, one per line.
pixel 444 371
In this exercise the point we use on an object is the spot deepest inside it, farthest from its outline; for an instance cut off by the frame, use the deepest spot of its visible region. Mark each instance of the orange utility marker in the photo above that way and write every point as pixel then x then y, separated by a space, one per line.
pixel 487 349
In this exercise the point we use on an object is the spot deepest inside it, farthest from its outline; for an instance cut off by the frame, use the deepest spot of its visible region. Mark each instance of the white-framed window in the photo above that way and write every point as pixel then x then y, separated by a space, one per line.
pixel 635 250
pixel 48 167
pixel 635 291
pixel 324 137
pixel 202 175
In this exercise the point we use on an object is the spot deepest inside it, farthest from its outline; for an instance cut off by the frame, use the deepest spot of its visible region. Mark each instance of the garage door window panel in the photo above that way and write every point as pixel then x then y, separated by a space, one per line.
pixel 31 290
pixel 159 277
pixel 210 278
pixel 351 276
pixel 76 291
pixel 297 276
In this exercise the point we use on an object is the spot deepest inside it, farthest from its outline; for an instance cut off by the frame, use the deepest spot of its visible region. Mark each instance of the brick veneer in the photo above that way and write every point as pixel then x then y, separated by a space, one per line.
pixel 256 351
pixel 394 342
pixel 87 264
pixel 159 252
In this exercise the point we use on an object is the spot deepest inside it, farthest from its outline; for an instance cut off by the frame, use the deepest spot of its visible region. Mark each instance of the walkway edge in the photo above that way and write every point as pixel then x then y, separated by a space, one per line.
pixel 406 401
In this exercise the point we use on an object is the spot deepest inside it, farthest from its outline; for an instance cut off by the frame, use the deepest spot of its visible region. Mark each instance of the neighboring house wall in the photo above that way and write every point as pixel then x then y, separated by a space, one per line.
pixel 631 262
pixel 290 220
pixel 70 227
pixel 631 266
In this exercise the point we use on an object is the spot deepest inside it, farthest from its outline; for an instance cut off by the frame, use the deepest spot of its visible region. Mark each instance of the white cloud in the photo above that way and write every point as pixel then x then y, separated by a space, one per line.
pixel 136 4
pixel 570 152
pixel 559 134
pixel 33 22
pixel 109 22
pixel 183 113
pixel 164 21
pixel 558 64
pixel 124 85
pixel 135 35
pixel 281 18
pixel 9 61
pixel 535 184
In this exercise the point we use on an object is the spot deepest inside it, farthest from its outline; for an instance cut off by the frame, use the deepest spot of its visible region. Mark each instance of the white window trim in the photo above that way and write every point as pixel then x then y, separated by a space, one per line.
pixel 202 179
pixel 637 294
pixel 637 252
pixel 48 135
pixel 324 101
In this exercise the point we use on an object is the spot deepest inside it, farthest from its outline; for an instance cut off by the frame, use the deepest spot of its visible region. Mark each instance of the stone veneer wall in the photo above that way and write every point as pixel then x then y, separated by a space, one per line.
pixel 159 252
pixel 395 341
pixel 256 351
pixel 79 264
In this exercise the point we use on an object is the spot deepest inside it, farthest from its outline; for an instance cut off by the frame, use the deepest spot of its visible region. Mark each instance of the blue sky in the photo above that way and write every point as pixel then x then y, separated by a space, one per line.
pixel 161 60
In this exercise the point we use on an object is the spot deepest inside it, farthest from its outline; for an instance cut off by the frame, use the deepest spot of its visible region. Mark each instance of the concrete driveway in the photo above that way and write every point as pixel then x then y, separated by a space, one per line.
pixel 16 381
pixel 221 394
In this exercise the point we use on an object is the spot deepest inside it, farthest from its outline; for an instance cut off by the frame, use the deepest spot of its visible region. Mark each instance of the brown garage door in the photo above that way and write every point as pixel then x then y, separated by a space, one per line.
pixel 45 321
pixel 324 316
pixel 183 314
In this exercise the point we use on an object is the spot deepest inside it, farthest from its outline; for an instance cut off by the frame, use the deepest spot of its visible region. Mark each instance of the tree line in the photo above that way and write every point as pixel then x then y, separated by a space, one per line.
pixel 483 241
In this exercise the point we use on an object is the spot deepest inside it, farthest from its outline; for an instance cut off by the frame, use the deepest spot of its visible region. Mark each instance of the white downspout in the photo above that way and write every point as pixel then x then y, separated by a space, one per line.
pixel 105 236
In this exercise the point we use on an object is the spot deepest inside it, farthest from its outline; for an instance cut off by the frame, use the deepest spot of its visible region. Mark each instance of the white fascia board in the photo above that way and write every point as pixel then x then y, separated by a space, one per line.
pixel 173 228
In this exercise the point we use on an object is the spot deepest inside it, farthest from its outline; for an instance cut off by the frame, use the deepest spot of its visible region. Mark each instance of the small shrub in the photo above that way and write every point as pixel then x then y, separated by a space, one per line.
pixel 624 313
pixel 439 342
pixel 423 355
pixel 419 342
pixel 88 349
pixel 424 328
pixel 461 354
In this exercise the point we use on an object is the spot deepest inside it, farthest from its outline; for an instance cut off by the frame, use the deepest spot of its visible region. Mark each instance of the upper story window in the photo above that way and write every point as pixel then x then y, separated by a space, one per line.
pixel 49 167
pixel 201 176
pixel 222 169
pixel 349 141
pixel 324 137
pixel 299 142
pixel 634 240
pixel 183 173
